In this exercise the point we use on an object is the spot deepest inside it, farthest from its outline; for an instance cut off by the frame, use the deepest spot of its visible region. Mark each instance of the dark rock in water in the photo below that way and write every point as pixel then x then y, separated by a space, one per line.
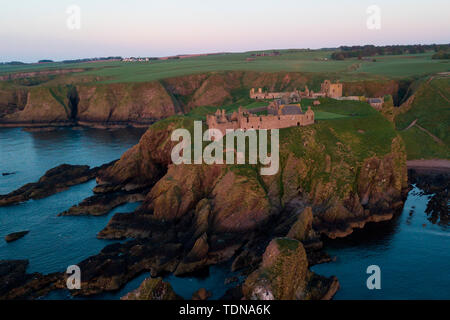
pixel 233 293
pixel 8 173
pixel 12 273
pixel 15 236
pixel 53 181
pixel 201 294
pixel 101 204
pixel 119 263
pixel 153 289
pixel 15 283
pixel 437 184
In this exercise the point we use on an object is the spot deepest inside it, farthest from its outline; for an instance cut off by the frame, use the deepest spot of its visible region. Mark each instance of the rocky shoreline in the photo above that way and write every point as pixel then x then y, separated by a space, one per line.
pixel 193 216
pixel 435 183
pixel 53 181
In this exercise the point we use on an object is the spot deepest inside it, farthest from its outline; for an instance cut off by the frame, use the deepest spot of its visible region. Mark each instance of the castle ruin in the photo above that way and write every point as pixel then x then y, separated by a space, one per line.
pixel 331 90
pixel 327 89
pixel 279 116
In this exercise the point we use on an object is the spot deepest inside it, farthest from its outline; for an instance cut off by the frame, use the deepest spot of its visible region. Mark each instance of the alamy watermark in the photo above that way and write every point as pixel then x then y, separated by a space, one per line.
pixel 373 21
pixel 255 151
pixel 74 279
pixel 73 21
pixel 374 281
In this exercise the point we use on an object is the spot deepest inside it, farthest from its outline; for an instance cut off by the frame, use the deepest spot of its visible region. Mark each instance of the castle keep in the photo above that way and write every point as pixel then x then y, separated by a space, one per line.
pixel 327 89
pixel 332 90
pixel 279 116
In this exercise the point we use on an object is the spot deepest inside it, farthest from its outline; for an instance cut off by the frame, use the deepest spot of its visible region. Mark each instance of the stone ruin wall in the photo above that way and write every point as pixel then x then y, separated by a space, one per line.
pixel 262 122
pixel 277 122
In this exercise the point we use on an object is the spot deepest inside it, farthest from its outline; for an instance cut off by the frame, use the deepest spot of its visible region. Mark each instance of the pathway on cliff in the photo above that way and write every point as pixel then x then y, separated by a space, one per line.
pixel 431 135
pixel 414 123
pixel 411 125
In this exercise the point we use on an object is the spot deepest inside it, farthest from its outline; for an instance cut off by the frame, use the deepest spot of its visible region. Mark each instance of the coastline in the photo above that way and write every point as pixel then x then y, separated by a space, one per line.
pixel 44 126
pixel 430 165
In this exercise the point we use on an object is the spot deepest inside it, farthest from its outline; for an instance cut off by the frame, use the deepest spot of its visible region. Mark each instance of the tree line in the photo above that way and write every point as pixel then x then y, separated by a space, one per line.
pixel 359 52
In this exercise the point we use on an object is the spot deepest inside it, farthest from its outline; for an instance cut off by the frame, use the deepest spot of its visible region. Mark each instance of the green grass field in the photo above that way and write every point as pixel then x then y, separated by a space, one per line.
pixel 294 61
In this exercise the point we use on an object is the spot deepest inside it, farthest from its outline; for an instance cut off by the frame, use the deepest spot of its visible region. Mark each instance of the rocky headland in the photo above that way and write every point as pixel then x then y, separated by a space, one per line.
pixel 333 177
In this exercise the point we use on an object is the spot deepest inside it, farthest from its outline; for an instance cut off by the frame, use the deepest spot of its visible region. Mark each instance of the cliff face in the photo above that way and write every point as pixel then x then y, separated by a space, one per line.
pixel 133 103
pixel 283 275
pixel 143 103
pixel 346 181
pixel 36 105
pixel 12 100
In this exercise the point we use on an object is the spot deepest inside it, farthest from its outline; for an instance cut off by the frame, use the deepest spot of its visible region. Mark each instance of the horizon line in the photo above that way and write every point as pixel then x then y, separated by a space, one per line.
pixel 226 52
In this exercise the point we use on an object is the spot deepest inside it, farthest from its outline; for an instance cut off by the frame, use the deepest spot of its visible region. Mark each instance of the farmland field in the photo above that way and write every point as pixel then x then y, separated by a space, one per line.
pixel 385 67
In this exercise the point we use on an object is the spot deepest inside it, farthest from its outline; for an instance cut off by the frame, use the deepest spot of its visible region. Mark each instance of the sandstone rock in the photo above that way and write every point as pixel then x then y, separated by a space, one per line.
pixel 234 213
pixel 283 274
pixel 153 289
pixel 302 228
pixel 202 214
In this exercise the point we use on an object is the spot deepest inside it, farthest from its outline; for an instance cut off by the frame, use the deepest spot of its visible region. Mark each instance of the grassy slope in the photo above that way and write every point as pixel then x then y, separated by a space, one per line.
pixel 431 107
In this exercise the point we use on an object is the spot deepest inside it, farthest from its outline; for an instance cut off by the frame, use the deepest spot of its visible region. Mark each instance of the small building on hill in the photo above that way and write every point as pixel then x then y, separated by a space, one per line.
pixel 376 103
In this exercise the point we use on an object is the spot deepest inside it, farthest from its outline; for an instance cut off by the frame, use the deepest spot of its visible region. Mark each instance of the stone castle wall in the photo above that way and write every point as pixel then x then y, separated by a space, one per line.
pixel 327 89
pixel 251 121
pixel 277 122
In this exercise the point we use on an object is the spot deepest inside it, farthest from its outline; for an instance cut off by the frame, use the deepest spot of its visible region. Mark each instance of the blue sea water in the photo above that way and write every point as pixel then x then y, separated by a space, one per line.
pixel 412 253
pixel 55 242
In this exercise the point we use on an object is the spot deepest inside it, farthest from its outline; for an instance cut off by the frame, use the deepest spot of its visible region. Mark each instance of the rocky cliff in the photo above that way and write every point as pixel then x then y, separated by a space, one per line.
pixel 111 104
pixel 334 176
pixel 348 178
